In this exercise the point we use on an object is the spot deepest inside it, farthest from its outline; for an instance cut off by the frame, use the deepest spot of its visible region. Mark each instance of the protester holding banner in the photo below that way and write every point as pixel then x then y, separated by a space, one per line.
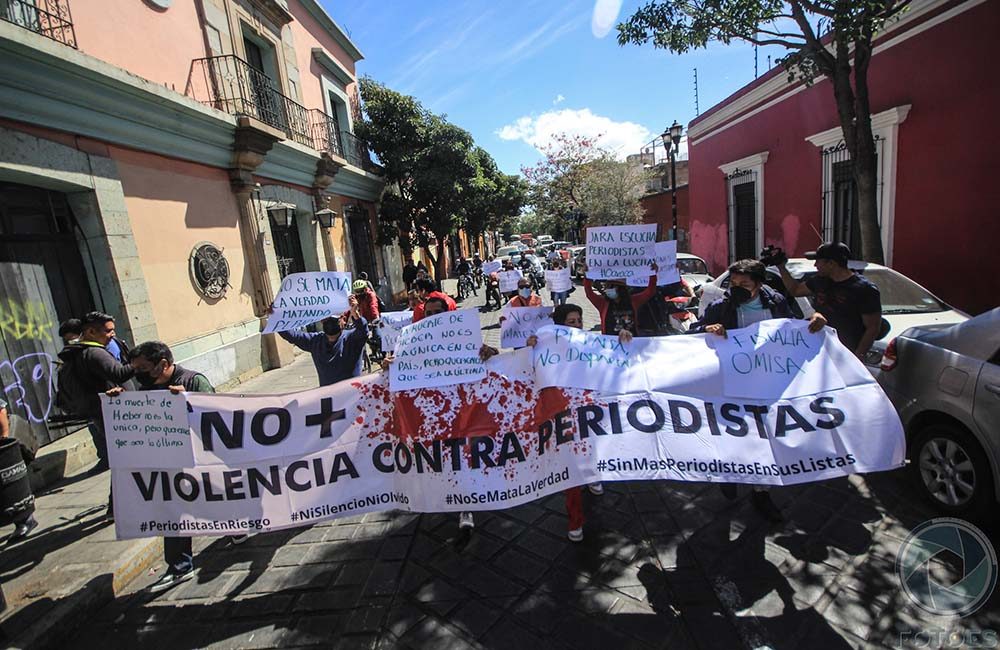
pixel 336 355
pixel 749 301
pixel 571 315
pixel 558 297
pixel 617 307
pixel 155 369
pixel 525 296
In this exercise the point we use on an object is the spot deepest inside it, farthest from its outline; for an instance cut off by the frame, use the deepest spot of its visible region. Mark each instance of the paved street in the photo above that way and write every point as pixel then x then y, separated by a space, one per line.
pixel 663 565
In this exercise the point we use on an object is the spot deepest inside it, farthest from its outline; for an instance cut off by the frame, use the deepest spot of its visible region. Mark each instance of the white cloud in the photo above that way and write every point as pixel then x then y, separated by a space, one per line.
pixel 604 17
pixel 539 131
pixel 558 100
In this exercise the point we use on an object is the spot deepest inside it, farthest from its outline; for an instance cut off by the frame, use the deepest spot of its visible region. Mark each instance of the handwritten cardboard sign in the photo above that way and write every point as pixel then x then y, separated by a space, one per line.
pixel 305 298
pixel 520 323
pixel 440 350
pixel 147 429
pixel 492 266
pixel 392 324
pixel 620 252
pixel 775 358
pixel 558 280
pixel 509 280
pixel 666 263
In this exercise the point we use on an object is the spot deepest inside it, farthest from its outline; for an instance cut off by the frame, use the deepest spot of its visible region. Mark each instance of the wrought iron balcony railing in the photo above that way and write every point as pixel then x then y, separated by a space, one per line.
pixel 230 84
pixel 357 153
pixel 50 18
pixel 326 133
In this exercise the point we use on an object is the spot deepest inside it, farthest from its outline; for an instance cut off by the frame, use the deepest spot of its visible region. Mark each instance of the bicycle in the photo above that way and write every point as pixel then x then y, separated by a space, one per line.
pixel 372 353
pixel 466 286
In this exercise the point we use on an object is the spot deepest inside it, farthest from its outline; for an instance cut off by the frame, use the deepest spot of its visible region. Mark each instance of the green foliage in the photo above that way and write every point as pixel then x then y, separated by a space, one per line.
pixel 832 38
pixel 438 179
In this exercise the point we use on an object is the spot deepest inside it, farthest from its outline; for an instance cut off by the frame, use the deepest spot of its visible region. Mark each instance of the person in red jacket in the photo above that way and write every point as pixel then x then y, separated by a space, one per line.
pixel 367 300
pixel 617 307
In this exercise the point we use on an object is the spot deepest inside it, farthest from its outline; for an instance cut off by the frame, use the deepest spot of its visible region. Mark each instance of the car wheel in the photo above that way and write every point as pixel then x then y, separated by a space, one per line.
pixel 951 470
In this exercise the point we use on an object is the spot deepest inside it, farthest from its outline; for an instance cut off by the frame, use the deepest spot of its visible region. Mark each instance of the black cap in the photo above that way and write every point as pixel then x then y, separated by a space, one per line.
pixel 836 252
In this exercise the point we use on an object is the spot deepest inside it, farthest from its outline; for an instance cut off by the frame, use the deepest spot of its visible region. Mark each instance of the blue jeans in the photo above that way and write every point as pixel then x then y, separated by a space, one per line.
pixel 559 297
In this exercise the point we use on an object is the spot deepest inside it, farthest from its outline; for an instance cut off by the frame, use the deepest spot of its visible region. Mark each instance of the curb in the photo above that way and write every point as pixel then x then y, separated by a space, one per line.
pixel 52 629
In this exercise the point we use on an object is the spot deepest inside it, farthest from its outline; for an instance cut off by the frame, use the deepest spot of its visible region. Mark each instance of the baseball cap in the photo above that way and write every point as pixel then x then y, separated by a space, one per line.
pixel 834 251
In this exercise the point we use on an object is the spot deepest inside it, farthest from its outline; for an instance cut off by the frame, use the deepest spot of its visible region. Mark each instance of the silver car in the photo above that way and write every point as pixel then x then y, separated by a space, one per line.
pixel 945 383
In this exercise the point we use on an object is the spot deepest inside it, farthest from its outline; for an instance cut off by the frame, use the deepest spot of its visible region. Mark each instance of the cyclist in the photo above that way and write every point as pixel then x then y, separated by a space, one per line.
pixel 368 306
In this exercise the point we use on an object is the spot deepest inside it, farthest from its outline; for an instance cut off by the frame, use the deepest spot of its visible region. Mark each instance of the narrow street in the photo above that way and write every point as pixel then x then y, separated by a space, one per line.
pixel 662 565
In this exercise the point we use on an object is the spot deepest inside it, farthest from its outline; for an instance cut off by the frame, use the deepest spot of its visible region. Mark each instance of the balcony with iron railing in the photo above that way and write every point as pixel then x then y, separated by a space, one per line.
pixel 50 18
pixel 230 84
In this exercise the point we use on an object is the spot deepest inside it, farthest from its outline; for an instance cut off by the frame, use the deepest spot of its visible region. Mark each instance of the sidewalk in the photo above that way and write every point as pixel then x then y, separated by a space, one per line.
pixel 71 565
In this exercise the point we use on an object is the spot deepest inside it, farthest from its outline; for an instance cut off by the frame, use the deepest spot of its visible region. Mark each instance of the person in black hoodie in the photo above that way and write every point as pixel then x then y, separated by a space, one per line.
pixel 747 302
pixel 96 371
pixel 154 366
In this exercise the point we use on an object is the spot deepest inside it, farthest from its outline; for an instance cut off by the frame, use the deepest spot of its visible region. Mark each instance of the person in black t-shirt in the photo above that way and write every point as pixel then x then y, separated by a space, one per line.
pixel 849 301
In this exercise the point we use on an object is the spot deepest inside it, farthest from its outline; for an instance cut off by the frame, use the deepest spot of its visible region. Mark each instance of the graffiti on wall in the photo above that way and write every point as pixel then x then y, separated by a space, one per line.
pixel 28 320
pixel 25 376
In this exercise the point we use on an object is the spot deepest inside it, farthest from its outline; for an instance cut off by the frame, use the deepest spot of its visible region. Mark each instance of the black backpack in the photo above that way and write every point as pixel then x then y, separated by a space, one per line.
pixel 73 394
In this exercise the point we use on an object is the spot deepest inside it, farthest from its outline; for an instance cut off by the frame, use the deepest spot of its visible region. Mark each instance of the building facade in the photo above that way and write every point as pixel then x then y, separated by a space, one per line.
pixel 169 162
pixel 768 165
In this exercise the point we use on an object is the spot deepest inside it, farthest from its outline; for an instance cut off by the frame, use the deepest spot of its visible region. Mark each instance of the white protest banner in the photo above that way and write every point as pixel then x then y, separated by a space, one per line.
pixel 305 298
pixel 666 263
pixel 519 323
pixel 776 358
pixel 147 429
pixel 620 252
pixel 392 323
pixel 440 350
pixel 492 266
pixel 509 280
pixel 269 462
pixel 558 280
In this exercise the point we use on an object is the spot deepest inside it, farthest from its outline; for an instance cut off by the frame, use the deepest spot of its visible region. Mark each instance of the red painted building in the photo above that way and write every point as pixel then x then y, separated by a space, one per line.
pixel 767 165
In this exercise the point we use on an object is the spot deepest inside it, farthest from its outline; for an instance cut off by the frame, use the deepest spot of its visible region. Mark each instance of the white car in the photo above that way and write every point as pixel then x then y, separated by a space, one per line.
pixel 905 303
pixel 507 251
pixel 693 269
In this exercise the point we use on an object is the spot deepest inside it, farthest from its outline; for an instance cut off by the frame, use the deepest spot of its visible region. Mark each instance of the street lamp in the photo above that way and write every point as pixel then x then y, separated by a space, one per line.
pixel 282 213
pixel 325 217
pixel 671 139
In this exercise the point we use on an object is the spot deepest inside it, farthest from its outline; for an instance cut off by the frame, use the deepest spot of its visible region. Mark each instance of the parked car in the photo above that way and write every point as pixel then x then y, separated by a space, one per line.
pixel 944 381
pixel 507 251
pixel 905 303
pixel 544 239
pixel 693 269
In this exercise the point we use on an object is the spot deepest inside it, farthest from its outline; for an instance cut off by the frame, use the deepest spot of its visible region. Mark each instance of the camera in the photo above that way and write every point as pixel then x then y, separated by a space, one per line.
pixel 773 256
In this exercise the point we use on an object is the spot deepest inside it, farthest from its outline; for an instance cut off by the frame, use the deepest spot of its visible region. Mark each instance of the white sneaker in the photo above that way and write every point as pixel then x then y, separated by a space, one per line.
pixel 239 539
pixel 465 520
pixel 575 535
pixel 596 488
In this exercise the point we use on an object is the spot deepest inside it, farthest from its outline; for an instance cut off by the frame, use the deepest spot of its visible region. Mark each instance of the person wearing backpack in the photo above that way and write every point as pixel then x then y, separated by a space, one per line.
pixel 87 370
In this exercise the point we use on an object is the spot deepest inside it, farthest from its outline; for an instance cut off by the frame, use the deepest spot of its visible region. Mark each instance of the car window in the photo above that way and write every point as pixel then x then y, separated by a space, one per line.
pixel 899 294
pixel 692 266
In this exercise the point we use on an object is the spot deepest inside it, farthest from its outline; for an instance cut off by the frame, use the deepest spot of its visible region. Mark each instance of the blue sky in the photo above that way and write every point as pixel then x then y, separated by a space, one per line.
pixel 515 72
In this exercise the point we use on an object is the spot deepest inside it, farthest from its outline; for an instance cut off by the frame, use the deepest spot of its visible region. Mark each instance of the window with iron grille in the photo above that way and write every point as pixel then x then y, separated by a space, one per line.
pixel 741 192
pixel 840 195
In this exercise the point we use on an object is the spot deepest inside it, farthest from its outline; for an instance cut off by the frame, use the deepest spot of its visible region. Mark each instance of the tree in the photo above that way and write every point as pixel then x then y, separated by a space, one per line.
pixel 839 46
pixel 429 164
pixel 492 197
pixel 578 183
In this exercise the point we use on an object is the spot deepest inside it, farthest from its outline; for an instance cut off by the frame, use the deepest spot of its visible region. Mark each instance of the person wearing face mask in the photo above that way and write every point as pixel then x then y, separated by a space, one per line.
pixel 525 297
pixel 153 363
pixel 618 308
pixel 749 301
pixel 336 351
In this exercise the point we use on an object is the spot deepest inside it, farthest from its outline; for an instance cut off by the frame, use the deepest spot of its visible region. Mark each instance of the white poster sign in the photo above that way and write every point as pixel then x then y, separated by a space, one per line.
pixel 519 323
pixel 509 280
pixel 269 462
pixel 305 298
pixel 776 358
pixel 147 429
pixel 493 266
pixel 440 350
pixel 558 280
pixel 392 324
pixel 666 263
pixel 620 252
